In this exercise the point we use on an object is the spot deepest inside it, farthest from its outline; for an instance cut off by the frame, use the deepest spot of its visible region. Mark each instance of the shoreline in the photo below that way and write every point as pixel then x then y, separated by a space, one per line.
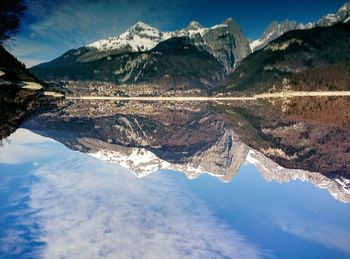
pixel 215 98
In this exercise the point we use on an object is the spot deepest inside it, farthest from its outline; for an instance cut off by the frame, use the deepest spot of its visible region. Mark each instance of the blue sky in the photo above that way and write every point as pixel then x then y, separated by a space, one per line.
pixel 53 27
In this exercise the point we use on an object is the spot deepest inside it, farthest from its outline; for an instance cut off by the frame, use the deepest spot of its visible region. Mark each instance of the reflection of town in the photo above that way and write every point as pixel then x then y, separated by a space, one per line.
pixel 212 138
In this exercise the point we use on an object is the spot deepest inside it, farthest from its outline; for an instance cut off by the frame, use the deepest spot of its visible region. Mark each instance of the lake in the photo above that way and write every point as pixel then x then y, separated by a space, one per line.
pixel 254 179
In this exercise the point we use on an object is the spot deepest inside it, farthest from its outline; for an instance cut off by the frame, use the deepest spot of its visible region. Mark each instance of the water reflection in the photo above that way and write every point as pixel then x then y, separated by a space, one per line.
pixel 60 199
pixel 65 204
pixel 212 138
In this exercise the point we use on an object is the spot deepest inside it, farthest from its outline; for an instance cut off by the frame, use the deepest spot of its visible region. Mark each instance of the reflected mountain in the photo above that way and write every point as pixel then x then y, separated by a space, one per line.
pixel 300 133
pixel 282 139
pixel 15 104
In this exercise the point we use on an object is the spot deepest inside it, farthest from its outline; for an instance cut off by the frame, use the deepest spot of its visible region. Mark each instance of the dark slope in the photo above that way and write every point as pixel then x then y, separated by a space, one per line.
pixel 176 62
pixel 315 59
pixel 14 70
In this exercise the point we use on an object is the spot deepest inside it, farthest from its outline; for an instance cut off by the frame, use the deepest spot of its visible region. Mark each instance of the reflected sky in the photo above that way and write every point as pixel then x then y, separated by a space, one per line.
pixel 60 203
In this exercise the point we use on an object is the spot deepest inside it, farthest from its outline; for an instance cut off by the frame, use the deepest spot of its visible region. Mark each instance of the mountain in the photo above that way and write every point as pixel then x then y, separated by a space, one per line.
pixel 342 15
pixel 140 37
pixel 224 41
pixel 191 57
pixel 173 64
pixel 276 29
pixel 305 60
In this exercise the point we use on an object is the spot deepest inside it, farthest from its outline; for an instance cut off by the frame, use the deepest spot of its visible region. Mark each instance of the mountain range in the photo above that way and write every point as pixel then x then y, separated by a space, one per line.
pixel 212 58
pixel 216 59
pixel 194 56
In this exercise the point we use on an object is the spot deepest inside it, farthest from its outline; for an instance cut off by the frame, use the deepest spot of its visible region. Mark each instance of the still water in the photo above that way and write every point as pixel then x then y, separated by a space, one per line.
pixel 178 180
pixel 60 203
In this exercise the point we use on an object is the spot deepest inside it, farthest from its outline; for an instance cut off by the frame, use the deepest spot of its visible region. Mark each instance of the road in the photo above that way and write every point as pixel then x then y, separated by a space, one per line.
pixel 206 99
pixel 302 94
pixel 161 98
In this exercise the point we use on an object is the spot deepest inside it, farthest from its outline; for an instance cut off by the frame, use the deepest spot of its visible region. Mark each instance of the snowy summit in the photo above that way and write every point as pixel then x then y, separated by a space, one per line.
pixel 143 37
pixel 140 37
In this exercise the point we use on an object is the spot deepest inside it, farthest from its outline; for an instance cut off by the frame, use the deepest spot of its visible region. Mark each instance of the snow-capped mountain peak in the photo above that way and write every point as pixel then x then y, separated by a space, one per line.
pixel 142 37
pixel 194 25
pixel 341 15
pixel 275 29
pixel 139 37
pixel 142 25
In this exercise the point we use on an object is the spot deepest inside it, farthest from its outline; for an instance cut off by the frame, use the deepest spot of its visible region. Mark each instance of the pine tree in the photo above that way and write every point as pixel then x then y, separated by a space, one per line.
pixel 11 12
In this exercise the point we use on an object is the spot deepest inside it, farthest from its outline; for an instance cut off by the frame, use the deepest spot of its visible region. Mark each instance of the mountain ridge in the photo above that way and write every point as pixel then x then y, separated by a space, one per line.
pixel 276 29
pixel 143 37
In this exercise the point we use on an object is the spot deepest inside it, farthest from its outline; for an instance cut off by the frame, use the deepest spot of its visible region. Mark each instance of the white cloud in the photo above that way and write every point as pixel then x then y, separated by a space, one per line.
pixel 327 235
pixel 76 22
pixel 23 136
pixel 24 146
pixel 91 209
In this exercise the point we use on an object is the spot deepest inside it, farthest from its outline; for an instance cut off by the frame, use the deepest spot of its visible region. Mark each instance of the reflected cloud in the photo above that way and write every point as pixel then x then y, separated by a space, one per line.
pixel 101 211
pixel 328 236
pixel 24 146
pixel 24 136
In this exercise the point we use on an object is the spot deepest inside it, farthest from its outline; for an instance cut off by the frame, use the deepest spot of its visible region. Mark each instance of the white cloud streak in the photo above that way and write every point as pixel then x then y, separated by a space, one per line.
pixel 89 209
pixel 327 235
pixel 24 146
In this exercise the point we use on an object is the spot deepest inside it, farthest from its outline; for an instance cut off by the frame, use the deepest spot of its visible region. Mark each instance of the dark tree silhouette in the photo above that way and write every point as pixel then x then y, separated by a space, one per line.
pixel 11 12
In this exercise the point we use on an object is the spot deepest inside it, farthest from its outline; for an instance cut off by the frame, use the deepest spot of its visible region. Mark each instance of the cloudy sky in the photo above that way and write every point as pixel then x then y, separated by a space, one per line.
pixel 53 27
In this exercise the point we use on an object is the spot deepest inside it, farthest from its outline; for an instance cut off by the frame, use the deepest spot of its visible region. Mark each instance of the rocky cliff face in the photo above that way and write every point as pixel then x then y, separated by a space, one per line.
pixel 227 43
